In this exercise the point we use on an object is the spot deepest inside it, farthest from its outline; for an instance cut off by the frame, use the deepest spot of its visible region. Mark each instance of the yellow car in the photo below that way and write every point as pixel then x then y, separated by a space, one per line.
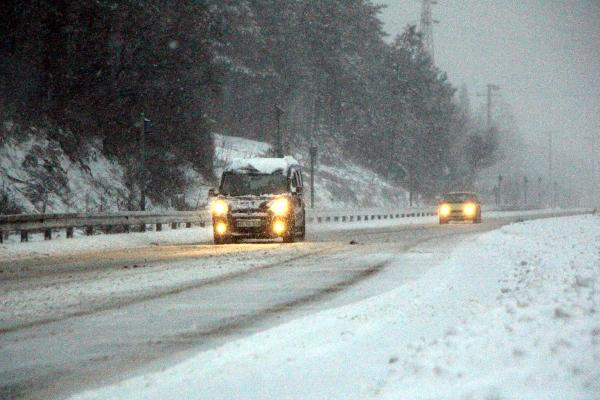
pixel 459 206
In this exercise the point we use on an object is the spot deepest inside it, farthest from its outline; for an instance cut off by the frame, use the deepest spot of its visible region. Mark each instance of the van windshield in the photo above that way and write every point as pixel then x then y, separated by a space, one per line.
pixel 235 184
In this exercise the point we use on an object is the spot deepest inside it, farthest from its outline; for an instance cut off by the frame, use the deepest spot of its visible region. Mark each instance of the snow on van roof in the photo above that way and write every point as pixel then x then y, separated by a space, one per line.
pixel 262 165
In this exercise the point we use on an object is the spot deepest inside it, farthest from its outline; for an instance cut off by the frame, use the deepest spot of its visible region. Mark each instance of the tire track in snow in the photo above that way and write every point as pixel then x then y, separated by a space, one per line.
pixel 167 291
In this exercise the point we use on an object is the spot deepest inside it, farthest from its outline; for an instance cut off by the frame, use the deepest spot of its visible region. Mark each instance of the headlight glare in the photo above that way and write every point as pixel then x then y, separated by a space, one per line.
pixel 279 227
pixel 469 209
pixel 221 228
pixel 280 206
pixel 219 207
pixel 444 210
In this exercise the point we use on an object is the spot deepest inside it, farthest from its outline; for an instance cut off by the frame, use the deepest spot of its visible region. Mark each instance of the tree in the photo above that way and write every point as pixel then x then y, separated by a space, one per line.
pixel 481 150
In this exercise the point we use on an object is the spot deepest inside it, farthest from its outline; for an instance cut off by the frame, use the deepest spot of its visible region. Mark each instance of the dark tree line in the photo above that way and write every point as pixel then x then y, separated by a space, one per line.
pixel 326 63
pixel 94 66
pixel 223 65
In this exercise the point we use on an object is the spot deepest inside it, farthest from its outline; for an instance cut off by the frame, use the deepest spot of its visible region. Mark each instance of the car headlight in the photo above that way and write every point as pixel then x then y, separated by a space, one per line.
pixel 469 210
pixel 219 207
pixel 444 210
pixel 280 206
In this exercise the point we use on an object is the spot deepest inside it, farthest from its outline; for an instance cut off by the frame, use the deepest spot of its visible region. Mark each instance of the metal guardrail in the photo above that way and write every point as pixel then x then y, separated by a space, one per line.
pixel 46 223
pixel 369 214
pixel 123 221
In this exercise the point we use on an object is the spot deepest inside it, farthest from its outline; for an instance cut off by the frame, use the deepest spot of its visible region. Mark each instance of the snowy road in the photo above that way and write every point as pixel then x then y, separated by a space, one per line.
pixel 69 323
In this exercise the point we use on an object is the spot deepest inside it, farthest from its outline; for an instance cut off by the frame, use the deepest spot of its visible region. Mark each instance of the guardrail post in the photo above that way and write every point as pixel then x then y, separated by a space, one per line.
pixel 70 233
pixel 89 230
pixel 143 228
pixel 1 237
pixel 174 225
pixel 24 236
pixel 48 234
pixel 126 228
pixel 188 224
pixel 158 227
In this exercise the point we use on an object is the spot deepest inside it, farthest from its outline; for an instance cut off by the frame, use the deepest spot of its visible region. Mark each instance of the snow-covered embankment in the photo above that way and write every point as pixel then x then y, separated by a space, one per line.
pixel 513 314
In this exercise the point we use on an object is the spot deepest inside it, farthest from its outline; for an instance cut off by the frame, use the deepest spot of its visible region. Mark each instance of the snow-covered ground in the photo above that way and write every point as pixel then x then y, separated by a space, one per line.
pixel 37 247
pixel 60 246
pixel 30 161
pixel 511 314
pixel 50 293
pixel 12 249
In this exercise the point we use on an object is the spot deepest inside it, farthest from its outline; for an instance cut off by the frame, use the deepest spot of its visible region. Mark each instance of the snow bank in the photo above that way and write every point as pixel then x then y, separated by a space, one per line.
pixel 61 246
pixel 38 176
pixel 512 314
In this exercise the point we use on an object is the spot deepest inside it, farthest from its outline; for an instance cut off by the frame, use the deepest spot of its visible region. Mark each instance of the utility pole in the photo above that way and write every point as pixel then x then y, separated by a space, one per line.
pixel 410 189
pixel 313 159
pixel 499 201
pixel 142 176
pixel 313 152
pixel 278 113
pixel 593 159
pixel 426 26
pixel 550 177
pixel 491 88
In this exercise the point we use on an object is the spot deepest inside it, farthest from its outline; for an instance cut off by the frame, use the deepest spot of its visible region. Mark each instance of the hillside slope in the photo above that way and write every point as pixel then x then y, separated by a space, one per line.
pixel 338 181
pixel 36 176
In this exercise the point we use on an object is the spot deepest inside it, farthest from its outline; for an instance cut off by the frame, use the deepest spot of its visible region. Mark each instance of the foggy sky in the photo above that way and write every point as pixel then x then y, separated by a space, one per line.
pixel 545 56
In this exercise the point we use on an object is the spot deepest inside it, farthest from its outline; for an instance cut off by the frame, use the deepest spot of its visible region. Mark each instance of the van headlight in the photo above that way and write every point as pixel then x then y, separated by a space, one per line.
pixel 280 206
pixel 219 207
pixel 279 227
pixel 221 228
